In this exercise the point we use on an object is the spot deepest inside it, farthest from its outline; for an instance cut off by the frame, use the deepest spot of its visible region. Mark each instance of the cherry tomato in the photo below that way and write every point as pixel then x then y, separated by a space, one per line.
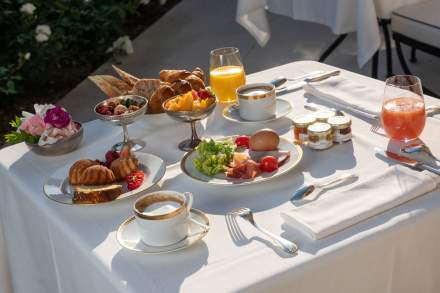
pixel 268 164
pixel 242 141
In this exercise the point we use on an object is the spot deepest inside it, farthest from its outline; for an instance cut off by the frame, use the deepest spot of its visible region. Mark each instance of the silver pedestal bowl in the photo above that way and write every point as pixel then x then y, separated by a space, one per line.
pixel 190 117
pixel 61 147
pixel 124 120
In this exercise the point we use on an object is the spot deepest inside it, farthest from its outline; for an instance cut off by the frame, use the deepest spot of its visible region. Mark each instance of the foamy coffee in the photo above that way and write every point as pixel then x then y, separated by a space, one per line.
pixel 163 217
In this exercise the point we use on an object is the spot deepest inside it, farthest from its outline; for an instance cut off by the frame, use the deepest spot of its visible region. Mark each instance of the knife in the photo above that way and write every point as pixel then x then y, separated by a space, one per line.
pixel 410 163
pixel 300 84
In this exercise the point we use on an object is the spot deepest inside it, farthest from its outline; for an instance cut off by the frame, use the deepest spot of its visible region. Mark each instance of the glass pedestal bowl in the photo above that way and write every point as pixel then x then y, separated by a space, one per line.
pixel 124 120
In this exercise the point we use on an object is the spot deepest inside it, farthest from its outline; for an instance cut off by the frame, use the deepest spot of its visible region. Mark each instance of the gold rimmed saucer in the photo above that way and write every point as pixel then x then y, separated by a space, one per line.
pixel 129 238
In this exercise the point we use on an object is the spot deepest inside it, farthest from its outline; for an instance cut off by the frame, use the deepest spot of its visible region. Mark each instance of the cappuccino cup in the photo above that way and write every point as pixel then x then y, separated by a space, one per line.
pixel 163 217
pixel 256 101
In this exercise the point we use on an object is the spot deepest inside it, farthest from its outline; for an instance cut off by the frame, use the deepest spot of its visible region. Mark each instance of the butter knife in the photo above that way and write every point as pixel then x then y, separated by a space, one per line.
pixel 410 163
pixel 300 84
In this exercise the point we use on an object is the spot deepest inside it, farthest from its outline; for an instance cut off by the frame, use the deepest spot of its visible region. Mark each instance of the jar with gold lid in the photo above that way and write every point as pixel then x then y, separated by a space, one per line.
pixel 324 115
pixel 300 124
pixel 320 136
pixel 341 128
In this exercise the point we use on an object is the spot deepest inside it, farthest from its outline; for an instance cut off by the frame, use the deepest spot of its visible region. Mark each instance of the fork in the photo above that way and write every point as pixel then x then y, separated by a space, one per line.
pixel 376 125
pixel 284 244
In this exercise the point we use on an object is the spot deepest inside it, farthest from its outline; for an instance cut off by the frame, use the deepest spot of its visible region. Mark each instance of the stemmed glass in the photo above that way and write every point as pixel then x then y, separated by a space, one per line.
pixel 226 73
pixel 403 108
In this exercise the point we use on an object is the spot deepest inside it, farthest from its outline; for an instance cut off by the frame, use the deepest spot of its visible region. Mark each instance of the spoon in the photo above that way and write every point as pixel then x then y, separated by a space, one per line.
pixel 417 148
pixel 308 189
pixel 280 80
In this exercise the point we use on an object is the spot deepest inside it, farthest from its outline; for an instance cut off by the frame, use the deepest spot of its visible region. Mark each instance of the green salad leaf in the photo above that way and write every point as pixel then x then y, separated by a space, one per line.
pixel 213 156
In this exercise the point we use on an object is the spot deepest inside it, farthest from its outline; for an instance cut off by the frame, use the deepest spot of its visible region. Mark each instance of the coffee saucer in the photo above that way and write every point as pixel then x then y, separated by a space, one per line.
pixel 128 236
pixel 232 113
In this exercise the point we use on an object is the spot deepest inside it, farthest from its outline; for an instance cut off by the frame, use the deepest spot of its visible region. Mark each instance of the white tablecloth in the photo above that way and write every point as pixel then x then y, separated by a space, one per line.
pixel 59 248
pixel 341 16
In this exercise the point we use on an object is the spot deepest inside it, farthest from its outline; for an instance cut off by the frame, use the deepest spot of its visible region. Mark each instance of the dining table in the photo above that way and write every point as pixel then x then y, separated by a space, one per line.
pixel 51 247
pixel 341 16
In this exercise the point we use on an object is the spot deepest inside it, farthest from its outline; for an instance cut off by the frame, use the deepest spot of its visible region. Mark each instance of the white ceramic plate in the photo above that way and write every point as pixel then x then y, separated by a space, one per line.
pixel 232 113
pixel 58 188
pixel 128 235
pixel 296 153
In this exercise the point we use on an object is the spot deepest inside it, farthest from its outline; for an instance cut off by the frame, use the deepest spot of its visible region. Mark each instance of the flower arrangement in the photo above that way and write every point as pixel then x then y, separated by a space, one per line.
pixel 48 125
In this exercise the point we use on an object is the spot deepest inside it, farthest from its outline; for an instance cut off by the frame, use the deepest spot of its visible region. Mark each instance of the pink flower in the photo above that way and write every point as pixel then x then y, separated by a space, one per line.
pixel 33 125
pixel 57 117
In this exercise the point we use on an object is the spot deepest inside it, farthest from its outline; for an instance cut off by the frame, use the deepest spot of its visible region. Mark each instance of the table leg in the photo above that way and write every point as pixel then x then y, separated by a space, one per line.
pixel 332 47
pixel 384 23
pixel 375 65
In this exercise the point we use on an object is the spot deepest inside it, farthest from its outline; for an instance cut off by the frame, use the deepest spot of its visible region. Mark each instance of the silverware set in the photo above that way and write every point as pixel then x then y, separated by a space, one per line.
pixel 283 244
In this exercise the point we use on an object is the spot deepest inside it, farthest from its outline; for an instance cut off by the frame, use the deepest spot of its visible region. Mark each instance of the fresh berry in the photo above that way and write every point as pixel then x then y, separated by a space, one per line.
pixel 110 156
pixel 195 95
pixel 134 180
pixel 204 94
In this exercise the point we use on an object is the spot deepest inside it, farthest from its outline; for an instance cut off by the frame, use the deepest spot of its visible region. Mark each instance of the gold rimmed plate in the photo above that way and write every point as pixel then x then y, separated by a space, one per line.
pixel 221 179
pixel 232 113
pixel 58 188
pixel 129 237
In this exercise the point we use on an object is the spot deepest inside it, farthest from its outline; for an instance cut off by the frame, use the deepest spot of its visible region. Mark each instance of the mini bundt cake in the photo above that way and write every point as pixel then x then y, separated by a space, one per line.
pixel 122 167
pixel 88 172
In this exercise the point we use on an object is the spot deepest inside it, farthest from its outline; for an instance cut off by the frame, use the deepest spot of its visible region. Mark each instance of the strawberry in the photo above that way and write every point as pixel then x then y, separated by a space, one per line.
pixel 110 156
pixel 134 180
pixel 204 94
pixel 195 95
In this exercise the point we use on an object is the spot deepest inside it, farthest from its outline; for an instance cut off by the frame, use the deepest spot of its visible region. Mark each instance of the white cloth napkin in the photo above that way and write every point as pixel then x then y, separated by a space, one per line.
pixel 348 93
pixel 335 211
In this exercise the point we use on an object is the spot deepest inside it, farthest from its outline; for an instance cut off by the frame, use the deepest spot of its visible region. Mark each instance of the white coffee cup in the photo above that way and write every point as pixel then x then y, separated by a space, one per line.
pixel 163 217
pixel 256 101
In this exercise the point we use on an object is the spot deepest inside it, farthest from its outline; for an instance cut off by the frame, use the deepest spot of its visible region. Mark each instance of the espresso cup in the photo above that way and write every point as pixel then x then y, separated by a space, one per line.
pixel 256 101
pixel 163 217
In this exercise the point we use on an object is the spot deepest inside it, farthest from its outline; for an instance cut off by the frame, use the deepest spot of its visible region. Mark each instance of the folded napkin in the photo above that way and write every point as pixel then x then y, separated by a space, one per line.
pixel 348 93
pixel 335 211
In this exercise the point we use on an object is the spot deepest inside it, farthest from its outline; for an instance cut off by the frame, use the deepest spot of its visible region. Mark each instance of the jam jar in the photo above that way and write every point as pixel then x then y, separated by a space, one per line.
pixel 341 127
pixel 324 115
pixel 320 136
pixel 300 124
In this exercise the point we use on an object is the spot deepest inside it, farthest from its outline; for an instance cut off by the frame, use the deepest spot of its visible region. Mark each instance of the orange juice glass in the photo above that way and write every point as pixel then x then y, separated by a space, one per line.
pixel 403 108
pixel 226 73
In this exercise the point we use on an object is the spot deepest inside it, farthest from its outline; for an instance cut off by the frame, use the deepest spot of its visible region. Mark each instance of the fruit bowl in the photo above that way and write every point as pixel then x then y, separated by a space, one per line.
pixel 190 117
pixel 63 146
pixel 124 119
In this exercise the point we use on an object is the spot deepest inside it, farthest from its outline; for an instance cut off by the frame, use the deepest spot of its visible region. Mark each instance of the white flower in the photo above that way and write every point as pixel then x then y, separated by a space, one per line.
pixel 43 29
pixel 27 56
pixel 41 109
pixel 122 43
pixel 28 8
pixel 144 2
pixel 41 38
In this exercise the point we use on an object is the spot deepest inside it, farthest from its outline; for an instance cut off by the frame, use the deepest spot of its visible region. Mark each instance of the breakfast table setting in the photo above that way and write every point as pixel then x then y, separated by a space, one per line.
pixel 296 188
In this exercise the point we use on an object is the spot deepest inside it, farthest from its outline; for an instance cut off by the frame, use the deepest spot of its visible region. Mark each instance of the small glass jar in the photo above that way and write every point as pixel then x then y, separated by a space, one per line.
pixel 341 127
pixel 324 115
pixel 300 124
pixel 320 136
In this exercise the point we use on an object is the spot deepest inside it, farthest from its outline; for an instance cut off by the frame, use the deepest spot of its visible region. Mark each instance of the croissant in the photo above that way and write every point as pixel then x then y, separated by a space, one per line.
pixel 159 96
pixel 77 169
pixel 122 167
pixel 181 86
pixel 199 73
pixel 173 75
pixel 196 83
